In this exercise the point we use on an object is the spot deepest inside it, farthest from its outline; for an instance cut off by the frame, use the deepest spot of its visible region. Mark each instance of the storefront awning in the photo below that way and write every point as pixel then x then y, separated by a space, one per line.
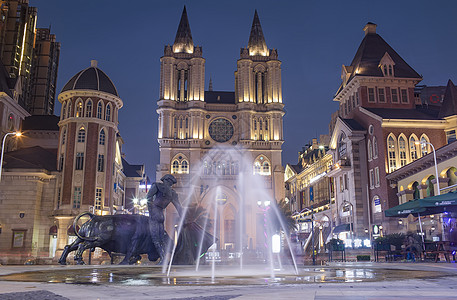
pixel 342 228
pixel 427 206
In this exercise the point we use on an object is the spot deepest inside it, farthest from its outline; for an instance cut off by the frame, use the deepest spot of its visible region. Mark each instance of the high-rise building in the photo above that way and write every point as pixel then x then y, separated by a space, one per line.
pixel 17 43
pixel 45 66
pixel 29 54
pixel 207 139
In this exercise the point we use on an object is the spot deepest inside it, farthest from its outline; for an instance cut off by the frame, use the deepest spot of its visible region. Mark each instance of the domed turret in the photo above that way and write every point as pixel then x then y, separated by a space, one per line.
pixel 91 78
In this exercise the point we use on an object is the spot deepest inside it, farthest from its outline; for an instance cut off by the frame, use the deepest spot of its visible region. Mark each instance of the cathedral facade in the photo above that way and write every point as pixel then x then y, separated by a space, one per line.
pixel 216 143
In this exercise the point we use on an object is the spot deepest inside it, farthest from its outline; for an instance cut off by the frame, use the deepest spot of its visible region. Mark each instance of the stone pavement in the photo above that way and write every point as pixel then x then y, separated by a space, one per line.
pixel 418 289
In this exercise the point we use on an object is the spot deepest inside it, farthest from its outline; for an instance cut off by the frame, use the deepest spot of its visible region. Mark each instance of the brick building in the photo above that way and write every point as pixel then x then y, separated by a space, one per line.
pixel 377 130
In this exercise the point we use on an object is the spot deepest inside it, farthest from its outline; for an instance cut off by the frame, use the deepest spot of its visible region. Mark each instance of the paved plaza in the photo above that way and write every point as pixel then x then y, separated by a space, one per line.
pixel 425 281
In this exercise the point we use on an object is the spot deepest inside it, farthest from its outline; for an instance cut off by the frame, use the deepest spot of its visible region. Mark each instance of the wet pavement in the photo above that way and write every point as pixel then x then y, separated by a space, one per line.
pixel 374 281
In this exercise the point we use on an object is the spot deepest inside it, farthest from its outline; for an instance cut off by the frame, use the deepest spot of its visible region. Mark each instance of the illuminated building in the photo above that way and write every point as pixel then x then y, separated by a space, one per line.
pixel 417 179
pixel 45 65
pixel 194 123
pixel 310 191
pixel 64 166
pixel 379 121
pixel 30 55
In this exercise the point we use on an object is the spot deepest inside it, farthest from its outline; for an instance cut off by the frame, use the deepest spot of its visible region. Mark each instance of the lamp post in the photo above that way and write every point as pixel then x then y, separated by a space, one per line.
pixel 264 206
pixel 17 133
pixel 434 158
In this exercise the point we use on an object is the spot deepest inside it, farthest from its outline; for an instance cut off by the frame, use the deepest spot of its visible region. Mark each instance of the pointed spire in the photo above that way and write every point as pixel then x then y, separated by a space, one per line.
pixel 449 106
pixel 256 44
pixel 183 41
pixel 210 87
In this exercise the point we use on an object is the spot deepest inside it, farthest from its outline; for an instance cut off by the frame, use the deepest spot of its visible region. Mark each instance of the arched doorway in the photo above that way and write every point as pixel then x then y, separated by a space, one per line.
pixel 221 205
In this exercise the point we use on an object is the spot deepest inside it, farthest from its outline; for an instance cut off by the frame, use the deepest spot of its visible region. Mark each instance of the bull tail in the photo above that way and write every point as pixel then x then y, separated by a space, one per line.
pixel 75 223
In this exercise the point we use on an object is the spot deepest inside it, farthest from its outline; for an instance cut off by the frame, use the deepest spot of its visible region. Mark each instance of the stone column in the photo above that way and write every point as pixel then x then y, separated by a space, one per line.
pixel 443 183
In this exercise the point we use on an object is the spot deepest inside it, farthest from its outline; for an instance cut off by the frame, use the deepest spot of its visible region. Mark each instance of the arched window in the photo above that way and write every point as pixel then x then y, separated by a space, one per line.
pixel 266 168
pixel 391 150
pixel 101 138
pixel 430 191
pixel 174 122
pixel 257 167
pixel 255 124
pixel 342 145
pixel 451 174
pixel 206 168
pixel 108 113
pixel 64 111
pixel 81 135
pixel 175 167
pixel 377 208
pixel 187 122
pixel 370 150
pixel 402 151
pixel 89 109
pixel 262 166
pixel 69 109
pixel 416 192
pixel 185 167
pixel 425 148
pixel 64 136
pixel 375 148
pixel 79 109
pixel 100 110
pixel 413 148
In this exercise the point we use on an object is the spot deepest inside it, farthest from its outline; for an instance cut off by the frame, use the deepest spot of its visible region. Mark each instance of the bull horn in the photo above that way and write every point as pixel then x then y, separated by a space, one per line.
pixel 75 223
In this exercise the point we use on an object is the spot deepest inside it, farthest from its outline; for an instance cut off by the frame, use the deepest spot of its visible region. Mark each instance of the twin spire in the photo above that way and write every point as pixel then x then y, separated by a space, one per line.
pixel 257 44
pixel 184 44
pixel 183 40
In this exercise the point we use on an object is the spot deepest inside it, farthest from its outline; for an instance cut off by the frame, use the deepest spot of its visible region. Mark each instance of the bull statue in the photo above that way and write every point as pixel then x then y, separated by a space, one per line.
pixel 134 235
pixel 126 234
pixel 130 235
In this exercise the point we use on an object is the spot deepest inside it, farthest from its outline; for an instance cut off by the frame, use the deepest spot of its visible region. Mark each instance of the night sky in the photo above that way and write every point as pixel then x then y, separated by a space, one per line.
pixel 313 38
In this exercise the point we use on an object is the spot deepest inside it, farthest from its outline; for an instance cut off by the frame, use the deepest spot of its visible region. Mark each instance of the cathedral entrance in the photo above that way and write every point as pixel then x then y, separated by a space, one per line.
pixel 221 205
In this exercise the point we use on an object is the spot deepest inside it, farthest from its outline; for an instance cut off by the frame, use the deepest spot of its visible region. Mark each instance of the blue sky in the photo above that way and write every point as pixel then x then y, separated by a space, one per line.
pixel 313 38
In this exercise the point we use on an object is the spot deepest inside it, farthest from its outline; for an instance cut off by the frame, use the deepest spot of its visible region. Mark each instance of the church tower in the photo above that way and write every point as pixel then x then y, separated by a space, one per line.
pixel 210 139
pixel 182 71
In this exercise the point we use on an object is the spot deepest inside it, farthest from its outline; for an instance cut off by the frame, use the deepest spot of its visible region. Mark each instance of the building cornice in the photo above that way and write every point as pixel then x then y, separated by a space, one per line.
pixel 408 123
pixel 15 107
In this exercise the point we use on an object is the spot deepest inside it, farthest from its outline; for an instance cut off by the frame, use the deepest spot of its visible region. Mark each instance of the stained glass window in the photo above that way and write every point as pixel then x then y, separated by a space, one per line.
pixel 221 130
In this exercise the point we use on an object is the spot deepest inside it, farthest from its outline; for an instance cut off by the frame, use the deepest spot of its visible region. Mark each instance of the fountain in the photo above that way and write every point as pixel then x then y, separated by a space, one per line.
pixel 253 199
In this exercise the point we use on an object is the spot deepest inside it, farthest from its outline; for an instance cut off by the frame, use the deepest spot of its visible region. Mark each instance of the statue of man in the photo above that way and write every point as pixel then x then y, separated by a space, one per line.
pixel 159 196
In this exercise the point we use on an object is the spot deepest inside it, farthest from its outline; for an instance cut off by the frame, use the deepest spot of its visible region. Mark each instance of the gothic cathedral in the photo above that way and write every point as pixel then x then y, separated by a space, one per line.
pixel 220 146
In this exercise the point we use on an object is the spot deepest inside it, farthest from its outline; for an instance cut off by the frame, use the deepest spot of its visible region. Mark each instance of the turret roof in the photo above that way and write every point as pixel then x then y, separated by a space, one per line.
pixel 449 106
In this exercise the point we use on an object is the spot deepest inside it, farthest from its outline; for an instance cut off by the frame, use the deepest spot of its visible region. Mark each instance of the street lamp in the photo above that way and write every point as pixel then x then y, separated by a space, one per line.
pixel 422 142
pixel 351 225
pixel 264 206
pixel 17 134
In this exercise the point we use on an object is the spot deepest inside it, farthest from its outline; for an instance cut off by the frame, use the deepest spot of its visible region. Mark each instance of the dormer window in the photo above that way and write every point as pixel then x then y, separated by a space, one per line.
pixel 386 64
